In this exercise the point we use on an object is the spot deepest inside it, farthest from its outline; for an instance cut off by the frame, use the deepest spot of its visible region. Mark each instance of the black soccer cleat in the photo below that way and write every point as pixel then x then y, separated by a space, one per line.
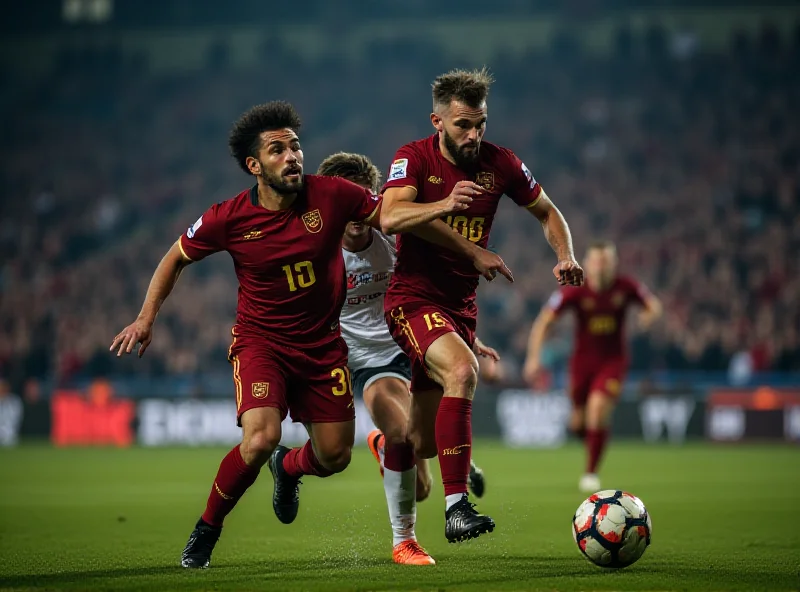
pixel 197 554
pixel 476 480
pixel 286 496
pixel 462 522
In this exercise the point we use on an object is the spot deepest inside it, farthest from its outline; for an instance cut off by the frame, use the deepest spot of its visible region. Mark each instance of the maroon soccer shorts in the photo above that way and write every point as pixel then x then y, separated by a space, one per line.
pixel 605 377
pixel 310 384
pixel 416 325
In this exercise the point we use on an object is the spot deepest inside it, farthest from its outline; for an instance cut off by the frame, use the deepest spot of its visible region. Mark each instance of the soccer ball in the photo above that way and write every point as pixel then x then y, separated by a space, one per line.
pixel 612 528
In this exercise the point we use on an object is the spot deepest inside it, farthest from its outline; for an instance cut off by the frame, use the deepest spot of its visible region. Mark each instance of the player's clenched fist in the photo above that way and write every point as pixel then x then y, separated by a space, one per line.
pixel 461 196
pixel 568 273
pixel 140 331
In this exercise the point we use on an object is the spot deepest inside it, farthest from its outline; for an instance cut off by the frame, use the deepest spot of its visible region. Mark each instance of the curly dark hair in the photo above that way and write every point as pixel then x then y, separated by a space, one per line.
pixel 470 87
pixel 353 167
pixel 245 137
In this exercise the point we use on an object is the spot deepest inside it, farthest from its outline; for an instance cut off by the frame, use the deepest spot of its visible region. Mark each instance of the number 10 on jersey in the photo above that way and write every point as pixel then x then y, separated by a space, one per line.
pixel 302 275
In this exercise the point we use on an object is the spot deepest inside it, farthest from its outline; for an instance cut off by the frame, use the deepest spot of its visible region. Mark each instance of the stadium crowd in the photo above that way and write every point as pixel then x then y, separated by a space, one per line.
pixel 690 161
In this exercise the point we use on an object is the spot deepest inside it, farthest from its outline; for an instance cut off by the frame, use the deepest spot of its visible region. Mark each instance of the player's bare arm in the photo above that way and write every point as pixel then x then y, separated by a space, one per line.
pixel 487 263
pixel 161 284
pixel 651 312
pixel 535 341
pixel 401 213
pixel 568 272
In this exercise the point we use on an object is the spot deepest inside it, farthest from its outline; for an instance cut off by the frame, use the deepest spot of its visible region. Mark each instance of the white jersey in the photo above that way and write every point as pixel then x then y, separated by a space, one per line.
pixel 363 326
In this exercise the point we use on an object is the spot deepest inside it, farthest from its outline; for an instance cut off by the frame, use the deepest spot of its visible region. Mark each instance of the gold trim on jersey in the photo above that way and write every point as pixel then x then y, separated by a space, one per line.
pixel 237 380
pixel 405 328
pixel 180 246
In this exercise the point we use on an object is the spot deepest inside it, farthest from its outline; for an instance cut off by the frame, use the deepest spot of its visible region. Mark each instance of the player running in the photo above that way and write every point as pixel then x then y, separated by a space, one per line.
pixel 284 236
pixel 430 304
pixel 381 371
pixel 599 361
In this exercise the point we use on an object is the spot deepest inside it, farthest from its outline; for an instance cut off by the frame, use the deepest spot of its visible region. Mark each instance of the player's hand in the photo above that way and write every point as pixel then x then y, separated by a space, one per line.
pixel 461 196
pixel 530 371
pixel 490 264
pixel 140 331
pixel 568 273
pixel 484 351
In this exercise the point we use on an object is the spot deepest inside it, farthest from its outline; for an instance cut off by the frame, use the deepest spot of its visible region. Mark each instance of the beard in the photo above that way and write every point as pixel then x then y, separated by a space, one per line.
pixel 464 158
pixel 281 185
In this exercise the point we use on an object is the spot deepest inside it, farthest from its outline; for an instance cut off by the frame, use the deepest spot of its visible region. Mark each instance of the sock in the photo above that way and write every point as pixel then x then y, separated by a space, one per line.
pixel 595 444
pixel 302 461
pixel 233 479
pixel 400 485
pixel 454 443
pixel 452 499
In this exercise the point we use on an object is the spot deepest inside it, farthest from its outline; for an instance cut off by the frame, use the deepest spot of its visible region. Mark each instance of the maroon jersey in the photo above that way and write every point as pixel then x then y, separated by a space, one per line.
pixel 600 330
pixel 434 273
pixel 288 262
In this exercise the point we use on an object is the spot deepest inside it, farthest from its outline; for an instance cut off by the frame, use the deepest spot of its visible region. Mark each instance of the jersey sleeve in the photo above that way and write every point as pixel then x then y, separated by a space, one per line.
pixel 522 187
pixel 405 170
pixel 637 292
pixel 363 203
pixel 559 301
pixel 206 236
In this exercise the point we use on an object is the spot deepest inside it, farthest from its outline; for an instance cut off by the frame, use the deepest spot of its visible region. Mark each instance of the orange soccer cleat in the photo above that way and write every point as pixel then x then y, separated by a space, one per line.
pixel 376 442
pixel 411 553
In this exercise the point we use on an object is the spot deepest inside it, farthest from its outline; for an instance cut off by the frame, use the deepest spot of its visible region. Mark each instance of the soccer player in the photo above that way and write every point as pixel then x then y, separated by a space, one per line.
pixel 430 304
pixel 597 367
pixel 284 235
pixel 381 371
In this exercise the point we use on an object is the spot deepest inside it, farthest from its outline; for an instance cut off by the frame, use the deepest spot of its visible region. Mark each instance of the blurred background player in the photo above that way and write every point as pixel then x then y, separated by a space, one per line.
pixel 381 371
pixel 599 360
pixel 430 303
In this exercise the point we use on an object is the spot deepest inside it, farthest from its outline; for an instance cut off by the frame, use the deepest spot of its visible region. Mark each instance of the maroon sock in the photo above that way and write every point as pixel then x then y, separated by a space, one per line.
pixel 233 479
pixel 302 461
pixel 398 457
pixel 454 443
pixel 595 444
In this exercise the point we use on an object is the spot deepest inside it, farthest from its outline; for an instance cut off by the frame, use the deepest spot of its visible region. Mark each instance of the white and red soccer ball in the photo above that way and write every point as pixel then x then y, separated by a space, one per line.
pixel 612 528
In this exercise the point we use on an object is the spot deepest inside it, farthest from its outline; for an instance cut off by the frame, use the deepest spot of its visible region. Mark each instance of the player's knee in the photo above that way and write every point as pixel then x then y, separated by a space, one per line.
pixel 335 458
pixel 463 376
pixel 258 445
pixel 424 488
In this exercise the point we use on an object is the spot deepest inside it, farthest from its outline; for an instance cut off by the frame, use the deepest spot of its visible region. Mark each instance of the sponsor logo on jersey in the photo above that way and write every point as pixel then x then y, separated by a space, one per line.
pixel 354 280
pixel 251 235
pixel 485 180
pixel 399 169
pixel 313 221
pixel 435 180
pixel 194 227
pixel 356 300
pixel 260 390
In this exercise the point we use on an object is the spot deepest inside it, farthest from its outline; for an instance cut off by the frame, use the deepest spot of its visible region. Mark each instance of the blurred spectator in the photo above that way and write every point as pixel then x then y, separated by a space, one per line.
pixel 10 415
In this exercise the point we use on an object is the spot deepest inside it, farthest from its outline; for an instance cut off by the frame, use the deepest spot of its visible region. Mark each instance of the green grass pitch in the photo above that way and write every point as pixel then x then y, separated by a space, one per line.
pixel 724 518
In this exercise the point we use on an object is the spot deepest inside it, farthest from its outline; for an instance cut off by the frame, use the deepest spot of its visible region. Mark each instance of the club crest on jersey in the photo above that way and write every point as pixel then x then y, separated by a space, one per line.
pixel 260 390
pixel 617 299
pixel 313 221
pixel 485 180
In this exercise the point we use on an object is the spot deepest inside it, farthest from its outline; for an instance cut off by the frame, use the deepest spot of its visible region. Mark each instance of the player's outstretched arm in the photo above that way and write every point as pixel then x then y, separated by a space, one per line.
pixel 161 284
pixel 651 312
pixel 535 341
pixel 401 213
pixel 487 263
pixel 556 231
